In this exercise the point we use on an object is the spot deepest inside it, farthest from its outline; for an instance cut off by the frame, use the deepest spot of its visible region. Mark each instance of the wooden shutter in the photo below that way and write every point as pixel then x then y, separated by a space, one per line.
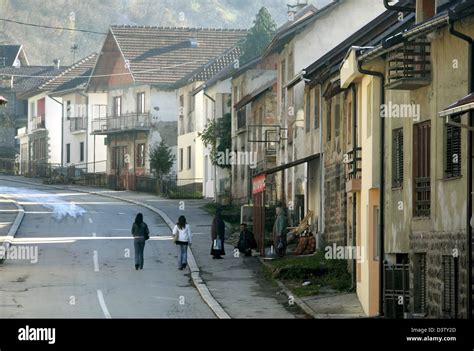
pixel 452 149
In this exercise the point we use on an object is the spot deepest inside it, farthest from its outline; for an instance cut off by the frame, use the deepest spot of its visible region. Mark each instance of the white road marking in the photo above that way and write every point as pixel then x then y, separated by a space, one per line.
pixel 103 305
pixel 94 235
pixel 96 261
pixel 64 240
pixel 91 221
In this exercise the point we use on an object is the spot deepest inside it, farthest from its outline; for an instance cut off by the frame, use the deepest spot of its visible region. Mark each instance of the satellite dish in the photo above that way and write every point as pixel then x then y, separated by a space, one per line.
pixel 17 63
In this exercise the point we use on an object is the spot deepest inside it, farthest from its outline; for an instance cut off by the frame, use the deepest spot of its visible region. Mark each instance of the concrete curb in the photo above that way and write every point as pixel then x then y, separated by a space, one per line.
pixel 195 273
pixel 14 228
pixel 300 303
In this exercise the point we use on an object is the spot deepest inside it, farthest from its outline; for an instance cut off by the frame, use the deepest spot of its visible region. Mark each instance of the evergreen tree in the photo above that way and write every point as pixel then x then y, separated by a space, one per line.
pixel 259 36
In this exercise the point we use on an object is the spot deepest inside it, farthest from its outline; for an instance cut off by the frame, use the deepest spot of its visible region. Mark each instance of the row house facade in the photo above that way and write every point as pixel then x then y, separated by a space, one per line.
pixel 302 182
pixel 140 69
pixel 202 100
pixel 253 116
pixel 419 217
pixel 57 132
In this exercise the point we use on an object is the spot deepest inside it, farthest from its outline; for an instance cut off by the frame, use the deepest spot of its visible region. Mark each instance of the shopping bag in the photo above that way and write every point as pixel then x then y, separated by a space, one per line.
pixel 217 244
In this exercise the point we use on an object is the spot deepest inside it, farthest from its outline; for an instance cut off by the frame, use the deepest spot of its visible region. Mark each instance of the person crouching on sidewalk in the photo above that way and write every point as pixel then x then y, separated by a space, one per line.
pixel 183 238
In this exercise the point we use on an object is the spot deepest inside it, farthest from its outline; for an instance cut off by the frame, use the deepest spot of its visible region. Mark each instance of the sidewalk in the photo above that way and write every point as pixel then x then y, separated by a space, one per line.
pixel 236 283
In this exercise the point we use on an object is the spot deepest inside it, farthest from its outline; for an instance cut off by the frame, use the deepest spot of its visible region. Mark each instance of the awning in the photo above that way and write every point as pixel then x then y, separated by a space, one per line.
pixel 462 106
pixel 3 101
pixel 289 165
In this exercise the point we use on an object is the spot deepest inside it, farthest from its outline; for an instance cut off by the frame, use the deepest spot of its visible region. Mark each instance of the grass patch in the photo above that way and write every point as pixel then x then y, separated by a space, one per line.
pixel 321 273
pixel 179 195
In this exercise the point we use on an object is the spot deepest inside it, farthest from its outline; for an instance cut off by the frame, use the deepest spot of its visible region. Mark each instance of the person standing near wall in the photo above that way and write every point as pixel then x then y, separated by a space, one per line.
pixel 218 236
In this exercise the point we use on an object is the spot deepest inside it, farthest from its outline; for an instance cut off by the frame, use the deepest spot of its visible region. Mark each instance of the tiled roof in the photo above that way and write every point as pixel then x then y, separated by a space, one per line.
pixel 71 73
pixel 27 78
pixel 217 65
pixel 165 56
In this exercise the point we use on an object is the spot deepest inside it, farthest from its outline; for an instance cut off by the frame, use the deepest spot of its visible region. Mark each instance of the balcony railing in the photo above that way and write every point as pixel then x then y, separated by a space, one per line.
pixel 128 122
pixel 354 170
pixel 354 164
pixel 39 122
pixel 409 66
pixel 422 197
pixel 78 124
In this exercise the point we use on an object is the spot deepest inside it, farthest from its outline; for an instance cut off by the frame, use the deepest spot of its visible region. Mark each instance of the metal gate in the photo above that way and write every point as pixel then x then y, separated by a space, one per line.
pixel 396 290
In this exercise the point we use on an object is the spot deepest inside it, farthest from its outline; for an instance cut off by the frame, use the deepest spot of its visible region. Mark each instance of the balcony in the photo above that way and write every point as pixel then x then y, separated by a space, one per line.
pixel 122 124
pixel 39 123
pixel 409 66
pixel 354 170
pixel 78 125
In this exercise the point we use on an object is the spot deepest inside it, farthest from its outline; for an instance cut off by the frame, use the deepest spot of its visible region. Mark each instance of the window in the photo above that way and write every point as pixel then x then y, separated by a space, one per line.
pixel 181 160
pixel 68 109
pixel 369 109
pixel 32 110
pixel 181 105
pixel 242 118
pixel 450 269
pixel 81 151
pixel 118 157
pixel 421 169
pixel 397 158
pixel 192 101
pixel 189 157
pixel 140 103
pixel 316 108
pixel 68 153
pixel 452 144
pixel 308 111
pixel 337 116
pixel 329 120
pixel 117 106
pixel 140 155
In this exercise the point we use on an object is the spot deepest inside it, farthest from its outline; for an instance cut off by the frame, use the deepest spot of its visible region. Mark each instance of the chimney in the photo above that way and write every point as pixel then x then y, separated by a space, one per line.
pixel 294 9
pixel 425 9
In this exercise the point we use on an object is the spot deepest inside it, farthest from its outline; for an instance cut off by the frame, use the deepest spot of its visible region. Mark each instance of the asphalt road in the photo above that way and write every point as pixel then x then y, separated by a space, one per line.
pixel 85 264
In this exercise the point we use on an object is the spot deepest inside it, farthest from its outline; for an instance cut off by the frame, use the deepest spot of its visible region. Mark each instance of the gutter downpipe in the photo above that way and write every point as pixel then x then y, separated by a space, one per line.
pixel 469 214
pixel 354 194
pixel 382 181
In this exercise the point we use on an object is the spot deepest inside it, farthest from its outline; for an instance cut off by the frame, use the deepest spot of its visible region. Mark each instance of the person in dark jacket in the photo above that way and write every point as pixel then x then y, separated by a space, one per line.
pixel 218 236
pixel 140 234
pixel 246 241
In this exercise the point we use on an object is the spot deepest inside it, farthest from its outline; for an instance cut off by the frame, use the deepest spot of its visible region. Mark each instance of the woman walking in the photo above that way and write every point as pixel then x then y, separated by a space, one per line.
pixel 183 238
pixel 140 234
pixel 218 236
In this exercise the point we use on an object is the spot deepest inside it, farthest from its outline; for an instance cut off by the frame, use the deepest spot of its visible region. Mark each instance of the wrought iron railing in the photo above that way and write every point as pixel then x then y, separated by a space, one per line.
pixel 354 164
pixel 123 122
pixel 39 122
pixel 78 124
pixel 422 197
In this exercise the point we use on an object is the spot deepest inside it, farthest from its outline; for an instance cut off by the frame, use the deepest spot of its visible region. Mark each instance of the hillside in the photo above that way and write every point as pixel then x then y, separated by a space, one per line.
pixel 45 45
